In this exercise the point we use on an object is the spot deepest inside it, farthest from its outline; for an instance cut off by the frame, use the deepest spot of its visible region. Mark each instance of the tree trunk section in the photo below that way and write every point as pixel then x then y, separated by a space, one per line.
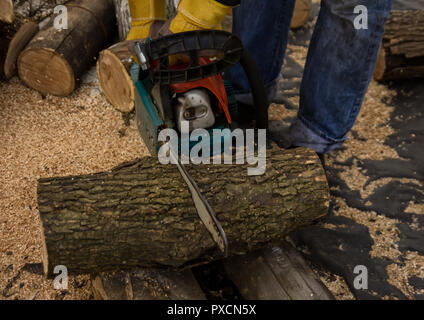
pixel 54 60
pixel 301 14
pixel 402 50
pixel 113 69
pixel 141 214
pixel 28 17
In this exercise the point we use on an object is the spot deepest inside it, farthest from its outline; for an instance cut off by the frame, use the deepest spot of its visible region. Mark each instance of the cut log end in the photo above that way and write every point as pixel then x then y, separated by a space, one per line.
pixel 57 77
pixel 302 13
pixel 115 81
pixel 18 43
pixel 380 66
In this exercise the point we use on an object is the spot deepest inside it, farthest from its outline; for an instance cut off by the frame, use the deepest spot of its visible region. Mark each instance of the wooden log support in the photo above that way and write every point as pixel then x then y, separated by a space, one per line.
pixel 141 214
pixel 113 73
pixel 147 284
pixel 301 14
pixel 402 50
pixel 55 59
pixel 278 273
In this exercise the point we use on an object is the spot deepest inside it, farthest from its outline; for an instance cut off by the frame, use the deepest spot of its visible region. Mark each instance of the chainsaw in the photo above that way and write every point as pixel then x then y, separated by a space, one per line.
pixel 193 91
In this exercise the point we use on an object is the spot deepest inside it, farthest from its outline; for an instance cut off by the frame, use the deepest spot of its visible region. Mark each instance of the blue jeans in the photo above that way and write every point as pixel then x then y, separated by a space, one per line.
pixel 339 66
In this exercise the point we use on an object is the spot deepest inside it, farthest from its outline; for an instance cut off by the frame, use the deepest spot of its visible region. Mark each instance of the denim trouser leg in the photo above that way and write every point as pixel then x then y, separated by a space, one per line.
pixel 339 66
pixel 263 27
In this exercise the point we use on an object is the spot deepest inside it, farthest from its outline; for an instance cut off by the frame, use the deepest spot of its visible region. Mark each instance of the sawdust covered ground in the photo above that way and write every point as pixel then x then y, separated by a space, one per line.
pixel 45 137
pixel 365 142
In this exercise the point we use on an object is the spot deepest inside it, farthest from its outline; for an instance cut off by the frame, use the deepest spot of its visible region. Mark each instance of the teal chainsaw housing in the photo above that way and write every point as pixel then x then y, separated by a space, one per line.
pixel 150 123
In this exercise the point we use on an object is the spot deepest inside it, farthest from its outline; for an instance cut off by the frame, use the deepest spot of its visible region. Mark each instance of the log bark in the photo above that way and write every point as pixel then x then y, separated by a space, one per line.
pixel 55 59
pixel 402 50
pixel 113 73
pixel 301 14
pixel 141 214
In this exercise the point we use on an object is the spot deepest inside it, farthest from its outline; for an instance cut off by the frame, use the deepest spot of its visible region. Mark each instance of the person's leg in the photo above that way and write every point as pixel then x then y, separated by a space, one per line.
pixel 339 67
pixel 263 27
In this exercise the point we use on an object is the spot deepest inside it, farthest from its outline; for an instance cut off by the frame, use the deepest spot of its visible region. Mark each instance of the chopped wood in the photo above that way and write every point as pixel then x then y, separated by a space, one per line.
pixel 25 33
pixel 113 69
pixel 55 59
pixel 402 51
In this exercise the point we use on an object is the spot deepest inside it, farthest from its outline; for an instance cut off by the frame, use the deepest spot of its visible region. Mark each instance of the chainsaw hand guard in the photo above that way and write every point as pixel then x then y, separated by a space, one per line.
pixel 226 50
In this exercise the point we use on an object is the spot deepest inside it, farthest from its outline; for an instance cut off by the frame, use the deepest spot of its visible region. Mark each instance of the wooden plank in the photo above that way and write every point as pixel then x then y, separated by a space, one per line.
pixel 147 284
pixel 295 275
pixel 254 278
pixel 278 273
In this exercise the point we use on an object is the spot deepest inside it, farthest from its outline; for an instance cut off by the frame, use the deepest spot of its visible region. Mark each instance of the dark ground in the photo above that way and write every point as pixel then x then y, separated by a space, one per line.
pixel 338 250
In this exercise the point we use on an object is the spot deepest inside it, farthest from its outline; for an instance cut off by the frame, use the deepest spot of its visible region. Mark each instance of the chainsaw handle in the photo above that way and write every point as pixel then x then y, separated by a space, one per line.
pixel 257 87
pixel 193 42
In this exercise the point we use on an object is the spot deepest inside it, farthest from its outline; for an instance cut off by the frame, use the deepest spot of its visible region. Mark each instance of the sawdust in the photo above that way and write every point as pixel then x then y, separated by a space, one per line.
pixel 371 127
pixel 298 53
pixel 45 137
pixel 383 230
pixel 277 112
pixel 336 285
pixel 399 273
pixel 417 208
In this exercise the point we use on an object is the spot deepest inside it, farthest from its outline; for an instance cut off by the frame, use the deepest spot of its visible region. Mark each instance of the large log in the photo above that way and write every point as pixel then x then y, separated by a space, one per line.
pixel 55 59
pixel 141 214
pixel 402 50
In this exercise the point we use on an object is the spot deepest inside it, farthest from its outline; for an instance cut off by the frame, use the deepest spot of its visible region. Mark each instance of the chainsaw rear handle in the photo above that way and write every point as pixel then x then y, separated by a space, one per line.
pixel 227 46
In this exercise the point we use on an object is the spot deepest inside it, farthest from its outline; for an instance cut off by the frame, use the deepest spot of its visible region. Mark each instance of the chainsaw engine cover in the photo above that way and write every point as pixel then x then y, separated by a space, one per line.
pixel 193 106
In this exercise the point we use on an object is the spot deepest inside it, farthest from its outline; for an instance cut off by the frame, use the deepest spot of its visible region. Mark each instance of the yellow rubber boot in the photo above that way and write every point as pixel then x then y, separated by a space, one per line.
pixel 195 14
pixel 143 14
